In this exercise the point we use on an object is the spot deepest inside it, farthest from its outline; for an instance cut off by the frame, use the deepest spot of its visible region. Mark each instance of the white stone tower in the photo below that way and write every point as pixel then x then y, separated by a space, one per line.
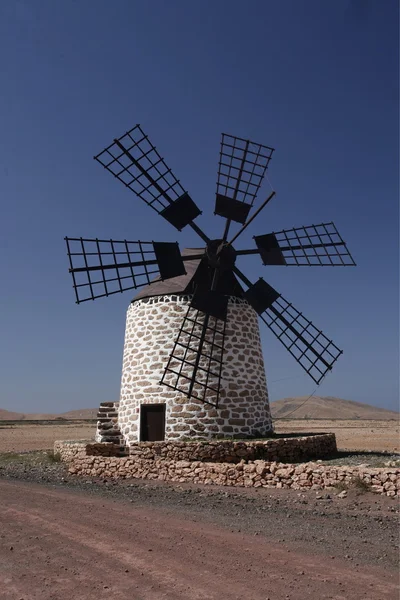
pixel 150 411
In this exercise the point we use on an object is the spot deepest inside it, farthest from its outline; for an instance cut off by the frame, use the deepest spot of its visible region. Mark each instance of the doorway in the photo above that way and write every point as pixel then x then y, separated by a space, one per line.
pixel 152 422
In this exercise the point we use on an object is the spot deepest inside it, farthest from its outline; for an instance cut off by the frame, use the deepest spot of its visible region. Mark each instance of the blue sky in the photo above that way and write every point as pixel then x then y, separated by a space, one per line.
pixel 316 80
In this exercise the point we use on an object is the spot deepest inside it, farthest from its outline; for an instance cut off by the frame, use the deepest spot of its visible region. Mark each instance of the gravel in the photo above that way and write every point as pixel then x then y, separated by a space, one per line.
pixel 361 527
pixel 366 459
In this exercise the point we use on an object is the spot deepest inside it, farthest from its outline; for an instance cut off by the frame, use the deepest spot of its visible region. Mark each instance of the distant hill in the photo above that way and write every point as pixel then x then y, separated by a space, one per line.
pixel 6 415
pixel 318 407
pixel 83 413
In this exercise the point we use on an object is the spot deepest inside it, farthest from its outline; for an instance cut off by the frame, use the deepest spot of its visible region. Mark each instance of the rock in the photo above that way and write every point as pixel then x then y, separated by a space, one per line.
pixel 342 494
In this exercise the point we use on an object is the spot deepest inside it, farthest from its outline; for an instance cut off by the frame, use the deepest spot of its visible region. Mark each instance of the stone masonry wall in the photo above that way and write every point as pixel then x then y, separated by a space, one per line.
pixel 152 326
pixel 256 473
pixel 69 450
pixel 88 459
pixel 290 449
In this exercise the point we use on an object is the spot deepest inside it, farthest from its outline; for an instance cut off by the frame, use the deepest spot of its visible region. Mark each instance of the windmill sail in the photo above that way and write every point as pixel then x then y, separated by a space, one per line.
pixel 315 353
pixel 103 267
pixel 313 245
pixel 241 169
pixel 136 162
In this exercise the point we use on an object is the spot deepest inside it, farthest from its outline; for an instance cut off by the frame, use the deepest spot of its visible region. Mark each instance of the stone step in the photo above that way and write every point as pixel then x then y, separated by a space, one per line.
pixel 107 416
pixel 112 435
pixel 105 409
pixel 111 427
pixel 111 432
pixel 106 439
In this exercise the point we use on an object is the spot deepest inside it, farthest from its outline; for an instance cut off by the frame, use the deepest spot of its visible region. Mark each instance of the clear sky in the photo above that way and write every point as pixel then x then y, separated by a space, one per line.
pixel 317 80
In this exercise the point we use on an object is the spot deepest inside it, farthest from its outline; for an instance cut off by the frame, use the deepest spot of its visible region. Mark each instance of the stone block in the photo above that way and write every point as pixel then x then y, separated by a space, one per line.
pixel 238 422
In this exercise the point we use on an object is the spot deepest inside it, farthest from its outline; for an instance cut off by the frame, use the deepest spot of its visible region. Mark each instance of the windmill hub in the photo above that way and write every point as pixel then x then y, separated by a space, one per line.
pixel 220 255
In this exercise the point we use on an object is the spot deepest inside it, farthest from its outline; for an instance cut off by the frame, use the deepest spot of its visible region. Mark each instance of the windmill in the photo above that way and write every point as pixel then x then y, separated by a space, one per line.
pixel 192 360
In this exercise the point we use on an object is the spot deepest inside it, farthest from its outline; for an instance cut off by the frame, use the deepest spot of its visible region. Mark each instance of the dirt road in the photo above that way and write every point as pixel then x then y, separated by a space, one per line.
pixel 58 544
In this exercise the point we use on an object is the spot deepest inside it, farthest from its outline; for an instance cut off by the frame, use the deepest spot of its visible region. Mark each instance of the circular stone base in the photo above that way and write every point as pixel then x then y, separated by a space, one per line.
pixel 286 448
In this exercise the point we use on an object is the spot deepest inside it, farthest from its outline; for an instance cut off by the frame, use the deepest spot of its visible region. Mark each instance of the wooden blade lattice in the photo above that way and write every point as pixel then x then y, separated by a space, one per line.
pixel 137 143
pixel 313 245
pixel 242 166
pixel 136 162
pixel 311 348
pixel 195 364
pixel 104 267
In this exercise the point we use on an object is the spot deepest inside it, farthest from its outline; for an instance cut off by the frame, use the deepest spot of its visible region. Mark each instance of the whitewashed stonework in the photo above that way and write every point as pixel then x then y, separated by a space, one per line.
pixel 152 325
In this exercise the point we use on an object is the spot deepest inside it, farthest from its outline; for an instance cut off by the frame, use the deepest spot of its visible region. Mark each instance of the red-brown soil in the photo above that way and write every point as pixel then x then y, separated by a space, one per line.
pixel 58 544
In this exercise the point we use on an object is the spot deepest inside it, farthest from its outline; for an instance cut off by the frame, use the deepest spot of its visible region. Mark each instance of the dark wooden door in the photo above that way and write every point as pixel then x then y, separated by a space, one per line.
pixel 152 422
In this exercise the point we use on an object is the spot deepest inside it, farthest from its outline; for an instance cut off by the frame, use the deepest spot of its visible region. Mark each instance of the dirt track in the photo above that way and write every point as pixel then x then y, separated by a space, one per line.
pixel 58 544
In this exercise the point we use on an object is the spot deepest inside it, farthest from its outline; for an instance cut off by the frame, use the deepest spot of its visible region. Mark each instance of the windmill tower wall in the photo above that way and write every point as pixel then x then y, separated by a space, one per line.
pixel 152 325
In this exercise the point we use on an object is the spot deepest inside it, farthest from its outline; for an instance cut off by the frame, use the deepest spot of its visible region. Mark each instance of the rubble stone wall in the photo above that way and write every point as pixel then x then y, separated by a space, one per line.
pixel 152 460
pixel 256 473
pixel 152 326
pixel 68 450
pixel 290 449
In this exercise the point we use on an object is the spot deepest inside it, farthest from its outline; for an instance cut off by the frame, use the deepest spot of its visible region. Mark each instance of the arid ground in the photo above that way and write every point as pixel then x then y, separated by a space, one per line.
pixel 361 435
pixel 22 436
pixel 65 537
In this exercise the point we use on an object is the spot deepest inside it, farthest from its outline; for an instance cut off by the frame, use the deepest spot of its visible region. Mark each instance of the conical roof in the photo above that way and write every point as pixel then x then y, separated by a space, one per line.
pixel 175 285
pixel 183 283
